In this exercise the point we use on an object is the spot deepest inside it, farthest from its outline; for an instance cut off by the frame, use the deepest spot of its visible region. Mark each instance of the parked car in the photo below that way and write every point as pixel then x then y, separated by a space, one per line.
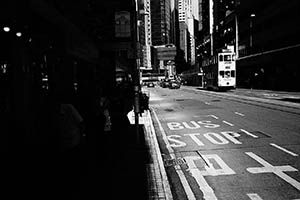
pixel 173 84
pixel 164 83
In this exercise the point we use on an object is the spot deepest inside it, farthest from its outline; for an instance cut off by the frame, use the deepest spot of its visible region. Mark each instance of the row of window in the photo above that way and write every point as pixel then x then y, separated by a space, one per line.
pixel 227 74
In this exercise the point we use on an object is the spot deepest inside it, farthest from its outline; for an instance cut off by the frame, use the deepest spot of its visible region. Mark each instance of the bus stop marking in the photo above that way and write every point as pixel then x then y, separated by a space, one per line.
pixel 277 170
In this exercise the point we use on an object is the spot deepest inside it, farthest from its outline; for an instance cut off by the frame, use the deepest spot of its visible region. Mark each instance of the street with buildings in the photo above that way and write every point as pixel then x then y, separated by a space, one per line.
pixel 241 145
pixel 150 99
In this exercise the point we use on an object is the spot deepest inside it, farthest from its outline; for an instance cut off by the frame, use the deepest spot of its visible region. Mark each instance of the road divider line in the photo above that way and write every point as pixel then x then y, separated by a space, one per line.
pixel 283 149
pixel 254 196
pixel 188 191
pixel 229 124
pixel 241 114
pixel 213 116
pixel 248 133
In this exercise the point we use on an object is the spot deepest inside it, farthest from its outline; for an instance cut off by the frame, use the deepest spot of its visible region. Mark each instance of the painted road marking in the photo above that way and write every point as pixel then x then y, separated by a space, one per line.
pixel 254 196
pixel 215 138
pixel 213 116
pixel 248 133
pixel 225 122
pixel 277 170
pixel 210 170
pixel 207 103
pixel 238 113
pixel 174 126
pixel 283 149
pixel 188 191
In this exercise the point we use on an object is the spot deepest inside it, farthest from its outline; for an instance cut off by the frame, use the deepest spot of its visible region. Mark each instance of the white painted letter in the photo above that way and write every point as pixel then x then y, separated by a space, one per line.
pixel 208 124
pixel 179 143
pixel 191 127
pixel 193 136
pixel 230 135
pixel 175 126
pixel 212 140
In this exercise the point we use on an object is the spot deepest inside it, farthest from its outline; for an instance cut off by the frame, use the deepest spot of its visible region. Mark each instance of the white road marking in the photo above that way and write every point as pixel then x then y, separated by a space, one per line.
pixel 283 149
pixel 188 191
pixel 210 170
pixel 277 170
pixel 207 103
pixel 248 133
pixel 241 114
pixel 225 122
pixel 254 196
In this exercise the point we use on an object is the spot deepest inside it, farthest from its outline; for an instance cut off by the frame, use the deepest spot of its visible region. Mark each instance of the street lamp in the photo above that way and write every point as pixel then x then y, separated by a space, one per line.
pixel 251 32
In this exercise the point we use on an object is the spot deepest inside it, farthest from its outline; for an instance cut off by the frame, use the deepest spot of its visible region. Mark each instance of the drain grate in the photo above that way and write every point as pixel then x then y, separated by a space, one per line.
pixel 173 162
pixel 169 110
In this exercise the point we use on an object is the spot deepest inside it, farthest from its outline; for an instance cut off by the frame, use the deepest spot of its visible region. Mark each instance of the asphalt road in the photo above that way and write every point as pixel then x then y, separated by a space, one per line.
pixel 226 146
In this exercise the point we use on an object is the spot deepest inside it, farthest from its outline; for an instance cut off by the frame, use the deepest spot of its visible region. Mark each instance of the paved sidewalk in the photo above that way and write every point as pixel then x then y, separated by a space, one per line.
pixel 158 185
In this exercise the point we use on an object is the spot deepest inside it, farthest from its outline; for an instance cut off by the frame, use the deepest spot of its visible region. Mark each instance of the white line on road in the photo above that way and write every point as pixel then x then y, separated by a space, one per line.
pixel 183 180
pixel 213 116
pixel 283 149
pixel 248 133
pixel 254 196
pixel 277 170
pixel 230 124
pixel 241 114
pixel 207 103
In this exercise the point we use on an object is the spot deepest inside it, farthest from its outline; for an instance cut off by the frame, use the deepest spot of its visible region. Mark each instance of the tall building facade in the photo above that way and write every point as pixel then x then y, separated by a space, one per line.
pixel 160 21
pixel 145 34
pixel 188 15
pixel 261 33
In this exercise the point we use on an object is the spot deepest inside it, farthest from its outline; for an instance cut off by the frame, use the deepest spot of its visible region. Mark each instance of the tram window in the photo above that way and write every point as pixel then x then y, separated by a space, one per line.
pixel 221 58
pixel 227 57
pixel 232 73
pixel 227 74
pixel 222 73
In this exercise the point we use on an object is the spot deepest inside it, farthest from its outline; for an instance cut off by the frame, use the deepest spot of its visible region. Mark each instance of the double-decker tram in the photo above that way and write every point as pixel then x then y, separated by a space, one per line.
pixel 219 71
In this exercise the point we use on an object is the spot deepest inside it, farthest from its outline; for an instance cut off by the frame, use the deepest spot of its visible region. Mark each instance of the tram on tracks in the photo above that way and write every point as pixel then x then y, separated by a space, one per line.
pixel 219 71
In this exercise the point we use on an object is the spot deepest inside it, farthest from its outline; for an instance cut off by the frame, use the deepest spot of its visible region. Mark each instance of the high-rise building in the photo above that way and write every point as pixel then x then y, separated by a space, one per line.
pixel 188 14
pixel 160 21
pixel 145 34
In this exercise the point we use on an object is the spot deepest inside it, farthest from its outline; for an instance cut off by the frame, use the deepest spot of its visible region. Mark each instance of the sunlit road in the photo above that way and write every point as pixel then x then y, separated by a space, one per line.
pixel 219 146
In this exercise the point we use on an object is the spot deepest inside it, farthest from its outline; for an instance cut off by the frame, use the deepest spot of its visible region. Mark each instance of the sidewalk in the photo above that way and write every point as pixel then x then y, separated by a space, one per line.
pixel 124 168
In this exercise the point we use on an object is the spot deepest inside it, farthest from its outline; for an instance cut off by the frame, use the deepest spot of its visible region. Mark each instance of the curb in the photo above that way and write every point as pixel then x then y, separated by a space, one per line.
pixel 158 184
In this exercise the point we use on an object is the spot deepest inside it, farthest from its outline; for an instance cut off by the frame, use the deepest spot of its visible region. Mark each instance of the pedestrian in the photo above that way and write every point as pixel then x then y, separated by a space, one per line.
pixel 70 133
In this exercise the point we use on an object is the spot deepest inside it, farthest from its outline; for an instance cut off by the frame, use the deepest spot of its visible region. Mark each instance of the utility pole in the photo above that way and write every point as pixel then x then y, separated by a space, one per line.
pixel 137 86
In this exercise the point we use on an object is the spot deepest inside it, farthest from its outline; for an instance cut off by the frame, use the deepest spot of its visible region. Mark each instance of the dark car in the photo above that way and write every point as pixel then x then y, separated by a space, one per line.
pixel 173 84
pixel 164 83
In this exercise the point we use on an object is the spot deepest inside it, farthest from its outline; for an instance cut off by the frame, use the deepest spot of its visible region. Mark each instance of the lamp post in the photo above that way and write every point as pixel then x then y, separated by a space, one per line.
pixel 251 32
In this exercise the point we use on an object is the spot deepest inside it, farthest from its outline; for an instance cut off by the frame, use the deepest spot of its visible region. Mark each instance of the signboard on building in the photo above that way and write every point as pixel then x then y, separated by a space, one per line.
pixel 166 52
pixel 122 24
